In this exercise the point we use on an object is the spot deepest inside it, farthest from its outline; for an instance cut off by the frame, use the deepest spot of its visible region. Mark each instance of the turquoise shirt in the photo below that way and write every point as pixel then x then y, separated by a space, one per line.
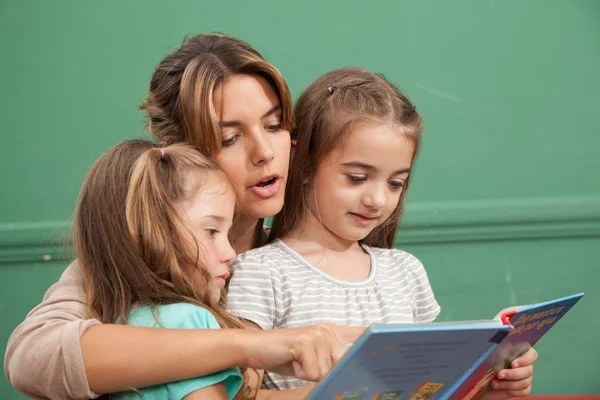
pixel 179 316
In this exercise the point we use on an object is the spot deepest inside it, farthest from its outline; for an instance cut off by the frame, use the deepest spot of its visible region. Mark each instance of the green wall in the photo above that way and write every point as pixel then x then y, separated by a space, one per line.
pixel 505 206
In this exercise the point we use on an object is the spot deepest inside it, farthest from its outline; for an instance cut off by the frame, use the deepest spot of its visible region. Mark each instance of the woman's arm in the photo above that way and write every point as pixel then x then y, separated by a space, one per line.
pixel 43 356
pixel 118 357
pixel 55 353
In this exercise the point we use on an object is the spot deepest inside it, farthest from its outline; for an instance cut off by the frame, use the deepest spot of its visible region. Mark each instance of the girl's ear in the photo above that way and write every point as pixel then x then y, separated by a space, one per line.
pixel 307 174
pixel 293 148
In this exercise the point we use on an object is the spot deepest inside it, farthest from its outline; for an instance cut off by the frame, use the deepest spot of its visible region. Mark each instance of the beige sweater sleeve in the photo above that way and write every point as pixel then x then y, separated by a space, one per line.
pixel 43 357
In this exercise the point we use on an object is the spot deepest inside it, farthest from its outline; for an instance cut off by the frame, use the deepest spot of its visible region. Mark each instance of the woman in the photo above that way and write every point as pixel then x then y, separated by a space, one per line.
pixel 219 94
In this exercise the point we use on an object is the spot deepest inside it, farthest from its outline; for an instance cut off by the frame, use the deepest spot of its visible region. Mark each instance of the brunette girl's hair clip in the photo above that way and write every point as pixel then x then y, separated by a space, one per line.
pixel 331 89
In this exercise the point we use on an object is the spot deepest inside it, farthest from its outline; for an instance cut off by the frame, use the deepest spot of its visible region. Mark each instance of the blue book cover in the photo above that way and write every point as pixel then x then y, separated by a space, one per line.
pixel 529 323
pixel 439 360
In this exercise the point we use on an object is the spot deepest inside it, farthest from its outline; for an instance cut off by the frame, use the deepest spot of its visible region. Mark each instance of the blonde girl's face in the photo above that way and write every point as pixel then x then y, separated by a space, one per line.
pixel 358 185
pixel 210 215
pixel 255 150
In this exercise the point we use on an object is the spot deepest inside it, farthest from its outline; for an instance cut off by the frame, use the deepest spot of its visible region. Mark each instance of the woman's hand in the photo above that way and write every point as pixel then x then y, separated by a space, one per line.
pixel 306 353
pixel 516 380
pixel 348 334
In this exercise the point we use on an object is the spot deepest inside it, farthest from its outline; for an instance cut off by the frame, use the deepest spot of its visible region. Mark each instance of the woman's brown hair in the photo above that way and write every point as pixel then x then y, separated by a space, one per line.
pixel 131 237
pixel 329 109
pixel 180 103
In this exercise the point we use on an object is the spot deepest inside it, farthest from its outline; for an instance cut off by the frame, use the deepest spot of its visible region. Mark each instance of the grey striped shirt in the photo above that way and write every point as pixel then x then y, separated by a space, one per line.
pixel 275 287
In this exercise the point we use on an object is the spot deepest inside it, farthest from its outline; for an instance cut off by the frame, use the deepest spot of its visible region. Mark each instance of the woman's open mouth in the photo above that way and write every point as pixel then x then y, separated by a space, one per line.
pixel 267 187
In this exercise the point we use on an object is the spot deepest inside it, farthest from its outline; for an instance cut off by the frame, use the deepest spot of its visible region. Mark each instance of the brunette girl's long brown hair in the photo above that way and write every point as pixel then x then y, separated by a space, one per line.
pixel 327 111
pixel 131 238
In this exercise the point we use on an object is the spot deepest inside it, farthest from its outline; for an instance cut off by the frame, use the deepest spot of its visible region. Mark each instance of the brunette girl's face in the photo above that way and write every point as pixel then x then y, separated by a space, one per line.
pixel 358 185
pixel 255 149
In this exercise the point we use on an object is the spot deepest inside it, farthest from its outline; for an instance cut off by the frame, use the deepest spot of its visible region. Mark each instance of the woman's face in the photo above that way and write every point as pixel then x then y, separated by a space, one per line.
pixel 255 151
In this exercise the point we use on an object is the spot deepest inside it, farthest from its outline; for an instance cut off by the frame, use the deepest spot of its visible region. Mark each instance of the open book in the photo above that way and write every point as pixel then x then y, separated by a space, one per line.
pixel 454 361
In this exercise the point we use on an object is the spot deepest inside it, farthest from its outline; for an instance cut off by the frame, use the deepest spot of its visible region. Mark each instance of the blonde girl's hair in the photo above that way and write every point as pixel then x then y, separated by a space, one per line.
pixel 131 238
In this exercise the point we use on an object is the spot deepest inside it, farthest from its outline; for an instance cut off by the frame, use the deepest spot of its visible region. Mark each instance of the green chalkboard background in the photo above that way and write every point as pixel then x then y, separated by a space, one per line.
pixel 505 206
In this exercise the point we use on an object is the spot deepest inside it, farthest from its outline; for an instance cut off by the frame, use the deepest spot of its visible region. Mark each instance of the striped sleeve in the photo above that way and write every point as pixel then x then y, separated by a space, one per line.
pixel 252 293
pixel 426 308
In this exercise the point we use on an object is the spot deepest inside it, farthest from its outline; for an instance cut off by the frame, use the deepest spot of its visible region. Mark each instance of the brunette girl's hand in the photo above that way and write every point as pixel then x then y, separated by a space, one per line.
pixel 516 380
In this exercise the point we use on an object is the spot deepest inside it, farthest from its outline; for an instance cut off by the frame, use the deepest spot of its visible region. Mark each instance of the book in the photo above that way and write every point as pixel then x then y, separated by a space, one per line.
pixel 449 360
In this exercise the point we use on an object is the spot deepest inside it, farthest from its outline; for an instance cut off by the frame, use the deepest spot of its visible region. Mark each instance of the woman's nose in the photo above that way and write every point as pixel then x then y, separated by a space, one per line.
pixel 261 151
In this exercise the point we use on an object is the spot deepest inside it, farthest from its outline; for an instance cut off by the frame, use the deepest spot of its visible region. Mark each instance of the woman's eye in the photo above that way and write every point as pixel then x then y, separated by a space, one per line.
pixel 273 128
pixel 356 178
pixel 395 185
pixel 229 141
